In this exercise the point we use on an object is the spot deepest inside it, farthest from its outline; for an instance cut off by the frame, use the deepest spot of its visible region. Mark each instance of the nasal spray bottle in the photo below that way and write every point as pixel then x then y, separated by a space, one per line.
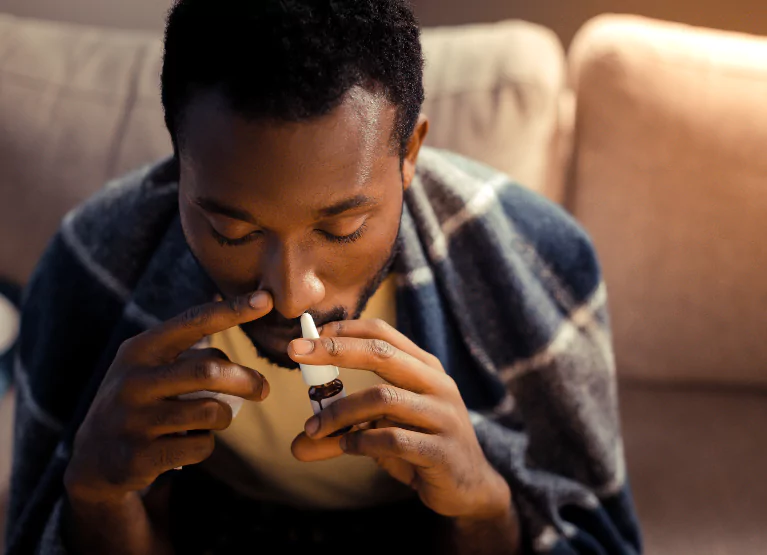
pixel 324 386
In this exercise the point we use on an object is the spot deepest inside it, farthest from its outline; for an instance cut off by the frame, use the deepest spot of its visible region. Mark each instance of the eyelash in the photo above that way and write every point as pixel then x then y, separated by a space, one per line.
pixel 346 239
pixel 226 242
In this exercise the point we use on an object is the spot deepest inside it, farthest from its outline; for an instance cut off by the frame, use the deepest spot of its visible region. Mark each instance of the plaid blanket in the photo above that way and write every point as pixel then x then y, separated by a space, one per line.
pixel 500 284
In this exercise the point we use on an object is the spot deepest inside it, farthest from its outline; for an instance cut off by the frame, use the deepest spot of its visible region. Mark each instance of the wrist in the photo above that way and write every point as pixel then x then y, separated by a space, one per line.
pixel 494 502
pixel 491 529
pixel 82 493
pixel 92 507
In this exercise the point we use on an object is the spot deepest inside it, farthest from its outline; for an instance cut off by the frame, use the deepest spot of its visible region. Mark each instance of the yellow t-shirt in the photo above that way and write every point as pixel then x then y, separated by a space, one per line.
pixel 261 434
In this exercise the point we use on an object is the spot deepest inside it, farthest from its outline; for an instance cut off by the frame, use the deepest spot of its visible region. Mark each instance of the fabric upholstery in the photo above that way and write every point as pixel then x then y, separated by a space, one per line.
pixel 696 459
pixel 495 93
pixel 80 105
pixel 670 178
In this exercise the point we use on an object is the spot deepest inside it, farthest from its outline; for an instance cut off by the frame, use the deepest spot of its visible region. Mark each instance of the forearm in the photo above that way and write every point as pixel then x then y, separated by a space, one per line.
pixel 120 528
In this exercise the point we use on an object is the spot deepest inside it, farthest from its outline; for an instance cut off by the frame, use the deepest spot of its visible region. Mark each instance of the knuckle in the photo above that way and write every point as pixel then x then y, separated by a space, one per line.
pixel 353 441
pixel 333 346
pixel 126 346
pixel 448 383
pixel 398 440
pixel 160 419
pixel 433 361
pixel 329 414
pixel 380 325
pixel 196 316
pixel 234 304
pixel 168 456
pixel 380 349
pixel 207 370
pixel 387 395
pixel 131 349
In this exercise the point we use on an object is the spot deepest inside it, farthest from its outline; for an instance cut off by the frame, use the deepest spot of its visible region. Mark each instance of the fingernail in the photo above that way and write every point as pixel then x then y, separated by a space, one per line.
pixel 265 389
pixel 259 300
pixel 342 443
pixel 302 346
pixel 312 426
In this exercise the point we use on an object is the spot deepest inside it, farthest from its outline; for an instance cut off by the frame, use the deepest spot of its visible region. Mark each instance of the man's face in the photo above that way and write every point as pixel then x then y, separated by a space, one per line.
pixel 308 211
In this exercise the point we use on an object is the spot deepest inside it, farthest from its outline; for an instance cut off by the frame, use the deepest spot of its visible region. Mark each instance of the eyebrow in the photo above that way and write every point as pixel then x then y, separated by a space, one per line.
pixel 346 205
pixel 215 207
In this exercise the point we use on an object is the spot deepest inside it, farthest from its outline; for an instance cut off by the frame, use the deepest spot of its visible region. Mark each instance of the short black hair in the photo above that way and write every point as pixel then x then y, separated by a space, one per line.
pixel 292 60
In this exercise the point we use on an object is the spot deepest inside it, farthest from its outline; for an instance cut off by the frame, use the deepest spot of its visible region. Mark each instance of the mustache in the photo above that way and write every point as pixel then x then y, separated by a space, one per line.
pixel 276 321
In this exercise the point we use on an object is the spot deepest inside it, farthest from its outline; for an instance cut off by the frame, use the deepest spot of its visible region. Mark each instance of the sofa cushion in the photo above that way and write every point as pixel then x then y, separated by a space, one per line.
pixel 495 92
pixel 670 178
pixel 80 105
pixel 696 460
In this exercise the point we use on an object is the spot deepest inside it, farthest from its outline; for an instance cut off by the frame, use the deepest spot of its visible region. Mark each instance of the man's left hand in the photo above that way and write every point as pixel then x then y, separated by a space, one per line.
pixel 416 426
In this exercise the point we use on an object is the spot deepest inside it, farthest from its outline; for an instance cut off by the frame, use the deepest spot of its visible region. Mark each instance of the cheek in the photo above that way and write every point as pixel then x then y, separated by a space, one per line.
pixel 230 269
pixel 347 269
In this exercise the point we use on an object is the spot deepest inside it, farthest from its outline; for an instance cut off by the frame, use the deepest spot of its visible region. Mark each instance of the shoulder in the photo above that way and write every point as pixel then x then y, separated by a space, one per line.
pixel 121 225
pixel 539 233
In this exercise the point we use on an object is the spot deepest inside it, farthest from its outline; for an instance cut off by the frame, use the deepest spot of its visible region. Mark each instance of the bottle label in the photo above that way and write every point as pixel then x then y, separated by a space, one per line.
pixel 325 403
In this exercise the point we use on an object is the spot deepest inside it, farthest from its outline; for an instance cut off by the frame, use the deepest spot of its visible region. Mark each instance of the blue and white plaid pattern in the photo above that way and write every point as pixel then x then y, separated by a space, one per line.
pixel 500 284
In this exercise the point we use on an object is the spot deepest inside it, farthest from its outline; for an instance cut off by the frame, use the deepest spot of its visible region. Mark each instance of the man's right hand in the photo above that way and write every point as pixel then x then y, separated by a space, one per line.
pixel 132 432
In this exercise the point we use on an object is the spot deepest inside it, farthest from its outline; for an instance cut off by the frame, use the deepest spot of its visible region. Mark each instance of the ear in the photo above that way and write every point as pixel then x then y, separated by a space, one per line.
pixel 413 148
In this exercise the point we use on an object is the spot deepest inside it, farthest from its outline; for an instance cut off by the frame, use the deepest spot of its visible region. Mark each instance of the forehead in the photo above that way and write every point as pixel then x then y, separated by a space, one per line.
pixel 349 146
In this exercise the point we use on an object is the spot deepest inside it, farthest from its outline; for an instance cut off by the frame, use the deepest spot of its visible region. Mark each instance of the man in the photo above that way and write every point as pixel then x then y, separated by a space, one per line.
pixel 469 313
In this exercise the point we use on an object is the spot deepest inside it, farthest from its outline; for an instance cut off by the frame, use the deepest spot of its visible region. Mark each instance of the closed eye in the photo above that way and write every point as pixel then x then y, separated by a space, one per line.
pixel 227 242
pixel 344 239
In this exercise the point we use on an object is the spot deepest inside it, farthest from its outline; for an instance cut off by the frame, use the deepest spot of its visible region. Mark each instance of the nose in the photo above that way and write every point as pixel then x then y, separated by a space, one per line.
pixel 291 278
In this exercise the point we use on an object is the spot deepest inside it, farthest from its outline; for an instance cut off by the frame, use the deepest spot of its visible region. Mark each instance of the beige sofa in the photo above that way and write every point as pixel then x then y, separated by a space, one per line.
pixel 660 158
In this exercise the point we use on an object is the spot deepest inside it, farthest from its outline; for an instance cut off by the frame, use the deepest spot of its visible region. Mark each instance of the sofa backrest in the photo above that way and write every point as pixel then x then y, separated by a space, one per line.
pixel 80 105
pixel 670 178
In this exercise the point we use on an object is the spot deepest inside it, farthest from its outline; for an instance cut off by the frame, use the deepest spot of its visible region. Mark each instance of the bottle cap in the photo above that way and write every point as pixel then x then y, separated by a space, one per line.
pixel 315 375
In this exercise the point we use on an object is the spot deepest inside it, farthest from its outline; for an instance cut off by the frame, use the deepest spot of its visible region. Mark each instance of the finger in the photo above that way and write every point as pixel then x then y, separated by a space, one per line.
pixel 379 329
pixel 174 416
pixel 399 470
pixel 163 343
pixel 306 449
pixel 419 449
pixel 378 402
pixel 169 452
pixel 379 356
pixel 200 374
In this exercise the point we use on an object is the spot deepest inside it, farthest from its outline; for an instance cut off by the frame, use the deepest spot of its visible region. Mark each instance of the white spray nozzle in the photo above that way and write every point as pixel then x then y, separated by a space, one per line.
pixel 315 375
pixel 308 329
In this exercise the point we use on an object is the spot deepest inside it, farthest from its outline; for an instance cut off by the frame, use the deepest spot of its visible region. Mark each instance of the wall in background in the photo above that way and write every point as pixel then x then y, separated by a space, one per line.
pixel 564 16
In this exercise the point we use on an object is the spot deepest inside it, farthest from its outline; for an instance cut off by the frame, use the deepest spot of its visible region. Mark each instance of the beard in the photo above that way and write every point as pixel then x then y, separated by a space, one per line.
pixel 291 328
